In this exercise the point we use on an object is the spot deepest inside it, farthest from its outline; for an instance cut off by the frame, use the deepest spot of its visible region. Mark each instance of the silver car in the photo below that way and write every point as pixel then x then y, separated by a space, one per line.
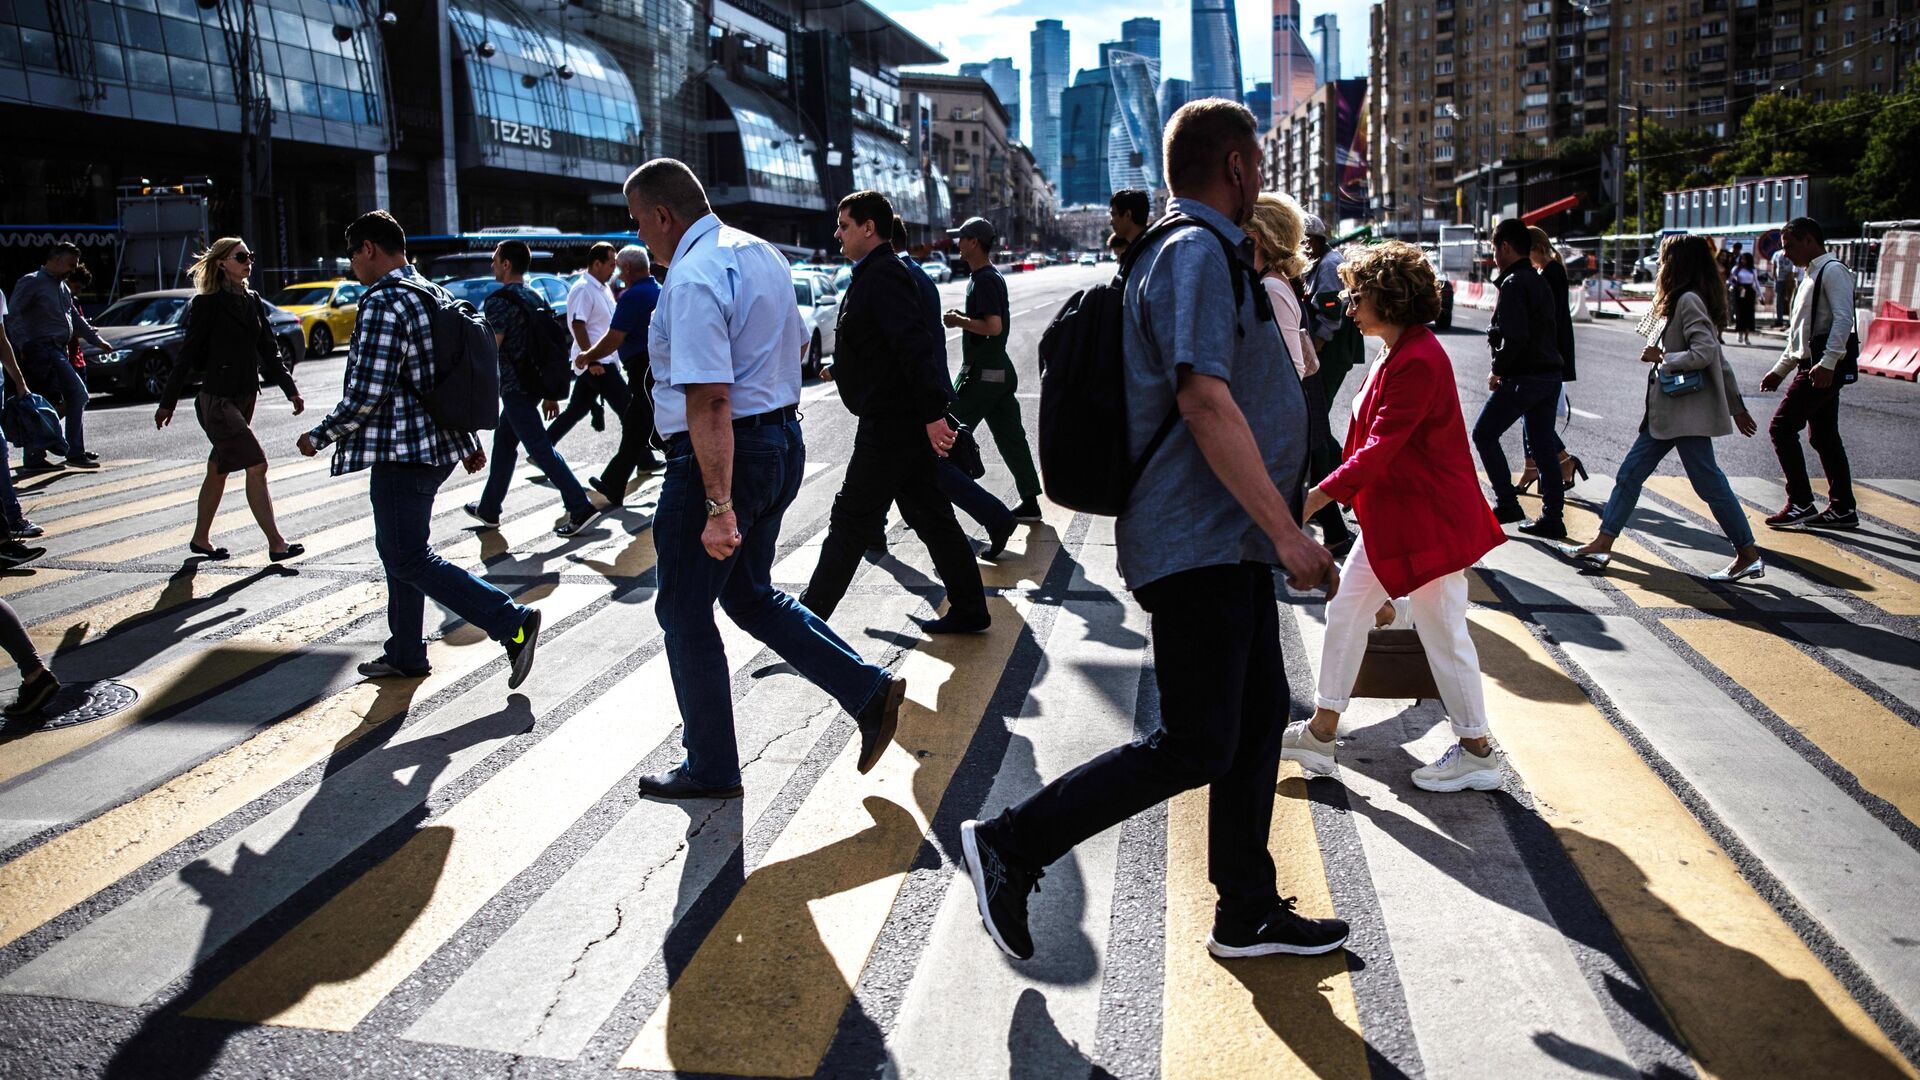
pixel 820 310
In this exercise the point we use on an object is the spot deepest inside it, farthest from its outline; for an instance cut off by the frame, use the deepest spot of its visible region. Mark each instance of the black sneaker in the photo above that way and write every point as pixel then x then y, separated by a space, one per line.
pixel 1834 519
pixel 1551 528
pixel 614 498
pixel 1508 513
pixel 1028 510
pixel 14 553
pixel 997 543
pixel 473 511
pixel 1791 515
pixel 1000 889
pixel 520 649
pixel 1282 931
pixel 382 668
pixel 577 523
pixel 90 461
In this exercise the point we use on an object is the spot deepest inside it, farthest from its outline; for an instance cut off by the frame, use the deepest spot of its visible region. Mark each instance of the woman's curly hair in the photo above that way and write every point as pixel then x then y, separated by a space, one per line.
pixel 1398 277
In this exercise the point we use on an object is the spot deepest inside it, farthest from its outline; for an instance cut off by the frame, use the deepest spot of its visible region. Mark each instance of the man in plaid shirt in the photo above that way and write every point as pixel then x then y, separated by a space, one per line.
pixel 381 424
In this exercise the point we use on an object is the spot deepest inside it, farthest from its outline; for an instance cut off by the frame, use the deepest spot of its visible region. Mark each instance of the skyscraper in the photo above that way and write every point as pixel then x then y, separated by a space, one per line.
pixel 1086 124
pixel 1005 80
pixel 1216 50
pixel 1327 29
pixel 1173 94
pixel 1294 78
pixel 1050 41
pixel 1260 101
pixel 1133 138
pixel 1142 36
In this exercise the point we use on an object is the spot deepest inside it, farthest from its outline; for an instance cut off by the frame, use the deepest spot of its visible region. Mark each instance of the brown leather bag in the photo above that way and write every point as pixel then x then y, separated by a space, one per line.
pixel 1395 667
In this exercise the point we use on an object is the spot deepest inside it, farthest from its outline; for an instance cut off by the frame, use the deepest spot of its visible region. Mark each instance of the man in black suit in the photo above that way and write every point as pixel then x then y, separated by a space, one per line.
pixel 884 367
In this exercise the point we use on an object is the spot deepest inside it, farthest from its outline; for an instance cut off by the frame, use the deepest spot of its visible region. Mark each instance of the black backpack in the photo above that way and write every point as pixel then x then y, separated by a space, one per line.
pixel 546 369
pixel 465 393
pixel 1085 464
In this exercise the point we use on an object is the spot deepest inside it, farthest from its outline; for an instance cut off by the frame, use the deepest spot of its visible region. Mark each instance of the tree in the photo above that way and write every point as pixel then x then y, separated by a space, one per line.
pixel 1784 136
pixel 1885 184
pixel 1667 158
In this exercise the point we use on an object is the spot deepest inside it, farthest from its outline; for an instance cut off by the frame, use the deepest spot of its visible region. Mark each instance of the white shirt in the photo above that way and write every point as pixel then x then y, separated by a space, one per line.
pixel 1829 337
pixel 1286 312
pixel 727 314
pixel 590 302
pixel 1783 268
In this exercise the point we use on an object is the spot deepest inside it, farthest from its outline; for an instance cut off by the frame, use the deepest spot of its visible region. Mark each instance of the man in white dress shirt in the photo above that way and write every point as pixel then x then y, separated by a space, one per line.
pixel 589 316
pixel 725 346
pixel 1820 339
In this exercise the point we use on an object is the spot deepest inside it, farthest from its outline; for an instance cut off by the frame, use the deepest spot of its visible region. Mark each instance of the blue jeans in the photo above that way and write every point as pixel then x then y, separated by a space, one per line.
pixel 1696 454
pixel 969 497
pixel 51 375
pixel 768 464
pixel 520 424
pixel 1532 400
pixel 402 498
pixel 11 516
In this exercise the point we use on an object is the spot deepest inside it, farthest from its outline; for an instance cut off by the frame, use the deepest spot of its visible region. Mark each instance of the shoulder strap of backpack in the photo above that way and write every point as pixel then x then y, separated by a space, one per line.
pixel 1236 270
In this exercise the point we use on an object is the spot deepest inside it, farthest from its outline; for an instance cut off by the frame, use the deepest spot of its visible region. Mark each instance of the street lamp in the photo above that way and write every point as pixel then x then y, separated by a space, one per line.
pixel 1419 190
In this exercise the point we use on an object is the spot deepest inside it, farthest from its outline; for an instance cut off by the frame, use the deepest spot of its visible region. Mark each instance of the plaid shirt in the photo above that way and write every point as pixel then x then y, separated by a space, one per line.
pixel 380 417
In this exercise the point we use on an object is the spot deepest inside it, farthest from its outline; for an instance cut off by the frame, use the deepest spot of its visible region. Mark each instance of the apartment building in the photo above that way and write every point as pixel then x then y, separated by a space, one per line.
pixel 1314 152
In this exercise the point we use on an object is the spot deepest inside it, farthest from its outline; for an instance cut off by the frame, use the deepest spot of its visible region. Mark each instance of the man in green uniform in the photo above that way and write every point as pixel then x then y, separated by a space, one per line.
pixel 987 379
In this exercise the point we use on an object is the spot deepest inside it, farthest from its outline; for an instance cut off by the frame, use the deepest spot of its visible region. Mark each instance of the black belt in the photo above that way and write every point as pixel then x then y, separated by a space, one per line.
pixel 765 419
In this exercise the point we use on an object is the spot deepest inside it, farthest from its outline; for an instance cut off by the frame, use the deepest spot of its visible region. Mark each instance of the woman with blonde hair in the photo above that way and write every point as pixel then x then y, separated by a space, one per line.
pixel 1410 478
pixel 1692 398
pixel 1546 259
pixel 229 346
pixel 1278 228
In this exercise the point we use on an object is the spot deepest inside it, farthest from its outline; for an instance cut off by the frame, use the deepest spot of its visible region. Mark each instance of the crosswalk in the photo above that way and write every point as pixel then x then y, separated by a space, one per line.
pixel 1704 861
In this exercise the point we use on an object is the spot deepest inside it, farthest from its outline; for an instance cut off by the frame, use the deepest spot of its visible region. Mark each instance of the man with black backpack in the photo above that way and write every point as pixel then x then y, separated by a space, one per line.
pixel 1216 449
pixel 533 363
pixel 389 421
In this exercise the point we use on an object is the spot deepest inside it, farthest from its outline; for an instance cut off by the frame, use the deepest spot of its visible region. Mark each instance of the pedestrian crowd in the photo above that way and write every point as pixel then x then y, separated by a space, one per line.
pixel 1237 321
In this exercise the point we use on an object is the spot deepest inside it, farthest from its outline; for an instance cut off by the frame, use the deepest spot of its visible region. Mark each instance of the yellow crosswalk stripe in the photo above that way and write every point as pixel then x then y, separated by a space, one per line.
pixel 30 577
pixel 764 993
pixel 76 864
pixel 1887 507
pixel 98 620
pixel 40 503
pixel 284 506
pixel 216 664
pixel 379 927
pixel 1880 749
pixel 1642 576
pixel 356 531
pixel 1690 921
pixel 1256 1019
pixel 58 476
pixel 1812 555
pixel 168 499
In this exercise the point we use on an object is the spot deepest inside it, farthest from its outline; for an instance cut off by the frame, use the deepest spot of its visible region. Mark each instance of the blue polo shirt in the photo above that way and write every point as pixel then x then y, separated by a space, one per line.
pixel 631 314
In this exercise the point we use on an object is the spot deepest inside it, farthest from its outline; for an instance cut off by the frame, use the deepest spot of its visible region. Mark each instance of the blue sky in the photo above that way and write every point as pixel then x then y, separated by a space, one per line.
pixel 983 29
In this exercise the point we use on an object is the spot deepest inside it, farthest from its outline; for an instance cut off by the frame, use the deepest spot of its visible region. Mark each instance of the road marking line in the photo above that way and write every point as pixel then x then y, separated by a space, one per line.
pixel 1691 923
pixel 1584 414
pixel 31 577
pixel 1642 576
pixel 137 548
pixel 1811 555
pixel 69 868
pixel 1887 508
pixel 347 534
pixel 40 503
pixel 1880 749
pixel 75 523
pixel 764 993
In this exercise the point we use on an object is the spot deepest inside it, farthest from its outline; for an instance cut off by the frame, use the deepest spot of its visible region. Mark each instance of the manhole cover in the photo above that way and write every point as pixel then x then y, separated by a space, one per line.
pixel 78 703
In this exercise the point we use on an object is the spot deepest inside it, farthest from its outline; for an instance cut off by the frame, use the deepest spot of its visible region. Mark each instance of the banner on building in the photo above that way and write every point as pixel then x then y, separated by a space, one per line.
pixel 1350 149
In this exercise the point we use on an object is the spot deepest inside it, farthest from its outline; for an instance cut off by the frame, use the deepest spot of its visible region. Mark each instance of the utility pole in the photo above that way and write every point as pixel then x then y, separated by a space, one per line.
pixel 1640 177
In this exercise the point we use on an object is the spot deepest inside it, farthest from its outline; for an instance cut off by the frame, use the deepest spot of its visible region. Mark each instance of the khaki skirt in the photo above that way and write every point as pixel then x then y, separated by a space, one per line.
pixel 228 423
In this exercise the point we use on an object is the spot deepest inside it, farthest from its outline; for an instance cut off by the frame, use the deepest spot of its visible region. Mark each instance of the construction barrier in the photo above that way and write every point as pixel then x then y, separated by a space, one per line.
pixel 1892 348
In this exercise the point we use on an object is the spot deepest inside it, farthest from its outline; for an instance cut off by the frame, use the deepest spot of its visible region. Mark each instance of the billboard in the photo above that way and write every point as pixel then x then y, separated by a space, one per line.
pixel 1350 149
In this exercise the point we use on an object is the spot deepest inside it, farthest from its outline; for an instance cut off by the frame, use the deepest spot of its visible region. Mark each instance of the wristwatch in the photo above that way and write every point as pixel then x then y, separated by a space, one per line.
pixel 715 509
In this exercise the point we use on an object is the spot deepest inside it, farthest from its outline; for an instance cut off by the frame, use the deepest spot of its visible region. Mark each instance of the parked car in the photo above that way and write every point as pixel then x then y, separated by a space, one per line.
pixel 1445 321
pixel 820 310
pixel 327 311
pixel 842 278
pixel 465 264
pixel 146 331
pixel 1647 268
pixel 938 270
pixel 475 290
pixel 1088 259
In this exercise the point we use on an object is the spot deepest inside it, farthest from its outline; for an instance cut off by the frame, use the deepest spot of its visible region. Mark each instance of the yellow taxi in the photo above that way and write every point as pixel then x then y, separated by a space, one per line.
pixel 327 311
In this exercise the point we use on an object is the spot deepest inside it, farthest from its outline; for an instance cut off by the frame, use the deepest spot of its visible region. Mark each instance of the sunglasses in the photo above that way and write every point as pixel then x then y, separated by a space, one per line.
pixel 242 257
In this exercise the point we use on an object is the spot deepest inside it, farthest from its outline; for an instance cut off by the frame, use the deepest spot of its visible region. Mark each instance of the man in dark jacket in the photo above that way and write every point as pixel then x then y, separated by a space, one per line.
pixel 884 367
pixel 1525 381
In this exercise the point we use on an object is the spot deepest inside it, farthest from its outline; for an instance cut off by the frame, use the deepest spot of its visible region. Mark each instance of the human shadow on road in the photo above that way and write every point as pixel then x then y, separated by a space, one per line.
pixel 254 959
pixel 1037 1051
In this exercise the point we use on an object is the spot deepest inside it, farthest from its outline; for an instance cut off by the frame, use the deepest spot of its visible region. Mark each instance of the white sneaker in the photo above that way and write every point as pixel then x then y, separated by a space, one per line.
pixel 1298 744
pixel 1457 770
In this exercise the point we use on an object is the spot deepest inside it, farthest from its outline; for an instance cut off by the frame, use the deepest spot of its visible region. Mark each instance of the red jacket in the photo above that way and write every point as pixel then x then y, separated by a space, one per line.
pixel 1408 474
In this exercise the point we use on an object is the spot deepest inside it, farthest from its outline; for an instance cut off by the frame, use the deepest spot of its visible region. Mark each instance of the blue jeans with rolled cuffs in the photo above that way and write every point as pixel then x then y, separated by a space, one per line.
pixel 769 463
pixel 1709 482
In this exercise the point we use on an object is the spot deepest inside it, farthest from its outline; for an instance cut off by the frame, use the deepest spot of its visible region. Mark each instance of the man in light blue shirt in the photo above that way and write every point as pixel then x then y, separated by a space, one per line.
pixel 726 342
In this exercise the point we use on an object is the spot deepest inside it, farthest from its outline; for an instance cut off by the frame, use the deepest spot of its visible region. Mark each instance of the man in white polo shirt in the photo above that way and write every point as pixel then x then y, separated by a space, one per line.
pixel 589 314
pixel 725 346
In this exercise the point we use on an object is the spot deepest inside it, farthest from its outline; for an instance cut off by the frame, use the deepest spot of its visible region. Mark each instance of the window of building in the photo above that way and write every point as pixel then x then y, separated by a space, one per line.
pixel 1846 13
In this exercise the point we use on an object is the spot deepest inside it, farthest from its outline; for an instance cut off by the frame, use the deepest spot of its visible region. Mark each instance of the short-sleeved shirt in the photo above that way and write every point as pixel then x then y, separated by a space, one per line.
pixel 1180 313
pixel 631 314
pixel 726 314
pixel 509 320
pixel 986 297
pixel 590 302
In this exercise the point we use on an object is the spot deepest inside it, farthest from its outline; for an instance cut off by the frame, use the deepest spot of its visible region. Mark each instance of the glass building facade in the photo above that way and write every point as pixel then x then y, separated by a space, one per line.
pixel 1050 42
pixel 1086 122
pixel 1133 141
pixel 1216 50
pixel 760 152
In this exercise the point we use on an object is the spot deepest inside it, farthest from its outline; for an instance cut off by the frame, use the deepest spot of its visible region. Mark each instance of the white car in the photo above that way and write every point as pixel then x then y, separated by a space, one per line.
pixel 820 310
pixel 1087 259
pixel 938 270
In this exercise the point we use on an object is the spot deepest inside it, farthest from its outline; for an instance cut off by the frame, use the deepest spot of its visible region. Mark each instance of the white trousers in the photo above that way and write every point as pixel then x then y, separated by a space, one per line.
pixel 1439 617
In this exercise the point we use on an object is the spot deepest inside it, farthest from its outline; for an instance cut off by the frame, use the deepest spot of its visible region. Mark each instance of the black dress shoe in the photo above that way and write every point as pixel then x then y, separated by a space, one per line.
pixel 957 622
pixel 878 719
pixel 997 543
pixel 675 784
pixel 1509 513
pixel 1550 528
pixel 614 498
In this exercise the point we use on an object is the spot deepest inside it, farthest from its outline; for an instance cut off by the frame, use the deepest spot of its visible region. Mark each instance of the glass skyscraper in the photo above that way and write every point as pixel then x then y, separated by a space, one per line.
pixel 1086 123
pixel 1173 94
pixel 1005 80
pixel 1050 41
pixel 1142 36
pixel 1294 74
pixel 1216 50
pixel 1133 136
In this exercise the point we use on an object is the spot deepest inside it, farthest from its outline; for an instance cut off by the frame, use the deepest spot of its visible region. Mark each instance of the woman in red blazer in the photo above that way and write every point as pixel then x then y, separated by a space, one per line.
pixel 1408 474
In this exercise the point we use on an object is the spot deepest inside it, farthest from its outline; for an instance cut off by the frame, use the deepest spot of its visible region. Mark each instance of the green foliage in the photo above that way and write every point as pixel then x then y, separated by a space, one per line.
pixel 1670 158
pixel 1783 136
pixel 1885 185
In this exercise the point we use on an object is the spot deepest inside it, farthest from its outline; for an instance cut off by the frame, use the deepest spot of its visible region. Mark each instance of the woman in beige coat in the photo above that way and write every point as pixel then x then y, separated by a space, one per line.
pixel 1692 305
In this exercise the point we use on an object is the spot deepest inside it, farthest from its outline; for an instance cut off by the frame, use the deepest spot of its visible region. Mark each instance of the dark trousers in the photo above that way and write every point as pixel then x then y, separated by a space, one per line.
pixel 968 497
pixel 520 425
pixel 50 374
pixel 636 437
pixel 989 395
pixel 1805 405
pixel 1323 455
pixel 768 464
pixel 1223 706
pixel 609 386
pixel 14 639
pixel 1532 400
pixel 892 463
pixel 402 498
